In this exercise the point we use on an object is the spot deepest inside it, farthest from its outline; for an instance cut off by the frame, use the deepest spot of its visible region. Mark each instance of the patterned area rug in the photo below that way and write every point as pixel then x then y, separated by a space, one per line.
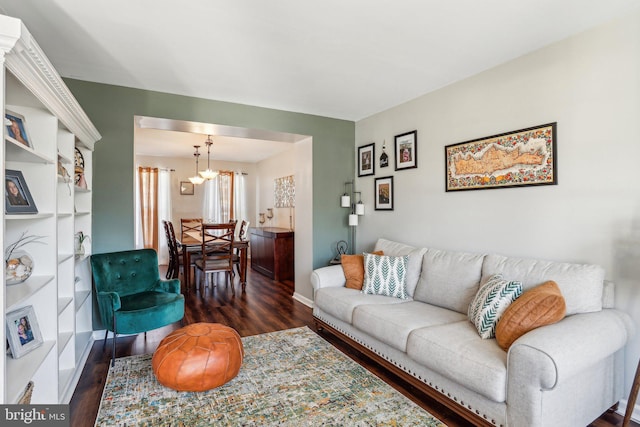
pixel 288 378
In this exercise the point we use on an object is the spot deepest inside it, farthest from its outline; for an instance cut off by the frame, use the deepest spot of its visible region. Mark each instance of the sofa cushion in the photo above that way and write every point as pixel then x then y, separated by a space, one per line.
pixel 353 268
pixel 449 279
pixel 385 275
pixel 340 301
pixel 580 284
pixel 392 324
pixel 540 306
pixel 415 259
pixel 490 302
pixel 456 351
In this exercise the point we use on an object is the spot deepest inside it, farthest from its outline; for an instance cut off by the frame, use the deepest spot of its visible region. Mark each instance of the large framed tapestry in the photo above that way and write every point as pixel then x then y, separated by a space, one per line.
pixel 512 159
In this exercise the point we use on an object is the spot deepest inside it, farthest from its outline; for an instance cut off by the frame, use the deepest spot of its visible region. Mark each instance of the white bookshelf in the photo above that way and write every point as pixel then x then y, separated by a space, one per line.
pixel 60 288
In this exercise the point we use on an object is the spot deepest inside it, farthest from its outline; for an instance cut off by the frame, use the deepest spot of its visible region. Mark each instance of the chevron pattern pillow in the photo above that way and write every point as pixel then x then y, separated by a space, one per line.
pixel 490 302
pixel 385 275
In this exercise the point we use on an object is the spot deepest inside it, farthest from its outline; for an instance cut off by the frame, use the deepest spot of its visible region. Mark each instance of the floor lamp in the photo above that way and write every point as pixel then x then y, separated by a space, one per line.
pixel 347 200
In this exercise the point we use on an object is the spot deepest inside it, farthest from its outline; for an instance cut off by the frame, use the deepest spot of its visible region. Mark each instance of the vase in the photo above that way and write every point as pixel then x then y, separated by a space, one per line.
pixel 19 267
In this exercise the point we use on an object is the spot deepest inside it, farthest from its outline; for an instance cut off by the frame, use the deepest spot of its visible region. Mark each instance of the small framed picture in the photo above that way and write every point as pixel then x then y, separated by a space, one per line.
pixel 366 156
pixel 17 196
pixel 384 193
pixel 407 150
pixel 17 128
pixel 23 331
pixel 186 188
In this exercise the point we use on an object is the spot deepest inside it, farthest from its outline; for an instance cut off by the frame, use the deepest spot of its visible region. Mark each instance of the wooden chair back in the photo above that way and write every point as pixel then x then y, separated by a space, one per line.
pixel 242 234
pixel 217 242
pixel 190 224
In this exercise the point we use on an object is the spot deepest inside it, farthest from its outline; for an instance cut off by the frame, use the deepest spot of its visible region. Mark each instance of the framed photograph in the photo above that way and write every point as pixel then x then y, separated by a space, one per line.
pixel 384 193
pixel 17 196
pixel 186 188
pixel 17 128
pixel 366 159
pixel 23 331
pixel 407 150
pixel 513 159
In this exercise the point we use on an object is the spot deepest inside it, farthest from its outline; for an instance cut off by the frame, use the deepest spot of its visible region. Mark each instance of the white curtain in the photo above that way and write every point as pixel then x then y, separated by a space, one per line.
pixel 164 213
pixel 218 198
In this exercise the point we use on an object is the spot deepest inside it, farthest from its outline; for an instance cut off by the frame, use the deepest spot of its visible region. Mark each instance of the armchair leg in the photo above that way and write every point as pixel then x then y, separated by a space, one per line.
pixel 104 344
pixel 113 355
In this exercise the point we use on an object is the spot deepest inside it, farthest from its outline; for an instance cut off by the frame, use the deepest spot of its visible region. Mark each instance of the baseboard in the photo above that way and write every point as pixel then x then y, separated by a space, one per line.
pixel 622 408
pixel 306 301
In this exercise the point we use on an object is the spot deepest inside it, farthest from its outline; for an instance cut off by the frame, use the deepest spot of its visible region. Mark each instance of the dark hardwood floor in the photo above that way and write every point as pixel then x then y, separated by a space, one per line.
pixel 266 306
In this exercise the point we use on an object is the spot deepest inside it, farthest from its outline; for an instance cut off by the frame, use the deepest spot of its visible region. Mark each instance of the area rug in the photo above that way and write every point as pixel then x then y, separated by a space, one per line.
pixel 288 378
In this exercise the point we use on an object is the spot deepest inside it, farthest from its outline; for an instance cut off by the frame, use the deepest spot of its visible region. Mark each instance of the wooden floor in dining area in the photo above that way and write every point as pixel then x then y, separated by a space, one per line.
pixel 265 306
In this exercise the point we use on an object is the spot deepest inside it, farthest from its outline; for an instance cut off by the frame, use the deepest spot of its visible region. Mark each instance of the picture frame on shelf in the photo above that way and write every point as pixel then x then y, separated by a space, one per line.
pixel 186 188
pixel 513 159
pixel 366 159
pixel 23 331
pixel 384 193
pixel 406 148
pixel 17 128
pixel 17 197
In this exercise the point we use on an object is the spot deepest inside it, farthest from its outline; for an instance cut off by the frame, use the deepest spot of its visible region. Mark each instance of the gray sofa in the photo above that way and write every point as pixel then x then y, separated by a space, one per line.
pixel 564 374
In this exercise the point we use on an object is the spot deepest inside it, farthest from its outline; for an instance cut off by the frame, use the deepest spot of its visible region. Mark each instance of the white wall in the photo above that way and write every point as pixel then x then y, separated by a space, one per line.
pixel 298 162
pixel 588 84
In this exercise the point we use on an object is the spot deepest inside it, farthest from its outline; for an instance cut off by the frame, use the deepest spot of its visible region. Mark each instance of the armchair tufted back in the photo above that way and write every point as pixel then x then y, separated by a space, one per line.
pixel 125 272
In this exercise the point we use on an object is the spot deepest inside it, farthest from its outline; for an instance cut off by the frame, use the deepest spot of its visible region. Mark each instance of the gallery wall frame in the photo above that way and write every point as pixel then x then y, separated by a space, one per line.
pixel 406 148
pixel 518 158
pixel 383 193
pixel 186 188
pixel 366 160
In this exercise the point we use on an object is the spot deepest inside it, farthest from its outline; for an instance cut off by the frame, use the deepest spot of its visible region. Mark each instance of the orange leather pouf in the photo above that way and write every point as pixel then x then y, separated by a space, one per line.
pixel 198 357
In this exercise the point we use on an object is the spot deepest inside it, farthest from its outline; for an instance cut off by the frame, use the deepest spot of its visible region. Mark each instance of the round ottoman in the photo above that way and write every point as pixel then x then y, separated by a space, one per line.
pixel 198 357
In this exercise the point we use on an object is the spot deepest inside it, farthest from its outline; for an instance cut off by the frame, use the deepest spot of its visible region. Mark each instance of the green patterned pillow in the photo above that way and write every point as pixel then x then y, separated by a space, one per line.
pixel 490 302
pixel 385 275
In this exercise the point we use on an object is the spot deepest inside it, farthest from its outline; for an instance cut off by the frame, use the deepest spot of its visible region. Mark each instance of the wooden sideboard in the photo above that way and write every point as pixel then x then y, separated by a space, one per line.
pixel 272 252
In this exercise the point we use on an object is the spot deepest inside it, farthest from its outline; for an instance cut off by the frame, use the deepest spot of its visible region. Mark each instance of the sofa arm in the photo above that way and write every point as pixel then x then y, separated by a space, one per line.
pixel 108 303
pixel 171 286
pixel 547 355
pixel 325 277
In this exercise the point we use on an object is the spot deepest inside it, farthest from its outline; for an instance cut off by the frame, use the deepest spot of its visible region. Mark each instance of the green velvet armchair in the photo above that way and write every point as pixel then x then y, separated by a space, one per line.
pixel 131 296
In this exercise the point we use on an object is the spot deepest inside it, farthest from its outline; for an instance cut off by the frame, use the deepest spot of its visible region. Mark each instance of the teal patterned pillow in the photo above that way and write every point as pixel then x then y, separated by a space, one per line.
pixel 385 275
pixel 490 302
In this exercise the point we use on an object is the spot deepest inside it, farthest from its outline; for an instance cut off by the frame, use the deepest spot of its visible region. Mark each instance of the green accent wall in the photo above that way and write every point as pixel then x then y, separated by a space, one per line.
pixel 112 110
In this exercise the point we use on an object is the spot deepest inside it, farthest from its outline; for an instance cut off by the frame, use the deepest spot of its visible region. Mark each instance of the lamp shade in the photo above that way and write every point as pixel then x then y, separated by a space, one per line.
pixel 353 220
pixel 196 180
pixel 345 201
pixel 360 208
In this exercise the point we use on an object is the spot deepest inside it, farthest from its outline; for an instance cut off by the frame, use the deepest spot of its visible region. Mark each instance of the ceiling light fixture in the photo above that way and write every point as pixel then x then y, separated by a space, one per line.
pixel 208 174
pixel 196 179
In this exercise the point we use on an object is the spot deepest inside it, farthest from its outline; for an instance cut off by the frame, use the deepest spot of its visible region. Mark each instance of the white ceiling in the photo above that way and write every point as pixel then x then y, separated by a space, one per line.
pixel 345 59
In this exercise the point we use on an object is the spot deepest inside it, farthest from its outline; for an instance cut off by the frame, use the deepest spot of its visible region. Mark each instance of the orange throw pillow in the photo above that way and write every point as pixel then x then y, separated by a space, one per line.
pixel 353 268
pixel 540 306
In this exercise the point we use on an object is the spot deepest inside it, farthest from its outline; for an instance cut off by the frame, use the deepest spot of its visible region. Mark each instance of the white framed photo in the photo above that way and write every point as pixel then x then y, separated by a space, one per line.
pixel 23 331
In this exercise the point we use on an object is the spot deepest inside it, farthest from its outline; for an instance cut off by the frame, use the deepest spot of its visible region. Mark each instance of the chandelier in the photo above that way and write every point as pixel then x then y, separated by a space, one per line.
pixel 208 174
pixel 196 179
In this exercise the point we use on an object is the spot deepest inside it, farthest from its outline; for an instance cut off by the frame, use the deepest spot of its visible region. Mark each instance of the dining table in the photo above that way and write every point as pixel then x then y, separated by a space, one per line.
pixel 191 242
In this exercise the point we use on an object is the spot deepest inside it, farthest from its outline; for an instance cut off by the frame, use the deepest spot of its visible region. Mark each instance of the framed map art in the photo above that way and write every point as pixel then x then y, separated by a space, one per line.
pixel 513 159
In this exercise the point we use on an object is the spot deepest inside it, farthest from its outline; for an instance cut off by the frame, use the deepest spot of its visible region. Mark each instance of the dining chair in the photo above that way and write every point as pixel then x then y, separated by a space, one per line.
pixel 242 234
pixel 190 224
pixel 217 252
pixel 175 252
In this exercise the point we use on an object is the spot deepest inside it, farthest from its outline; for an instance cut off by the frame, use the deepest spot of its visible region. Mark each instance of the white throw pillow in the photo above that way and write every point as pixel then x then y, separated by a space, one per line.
pixel 385 275
pixel 490 303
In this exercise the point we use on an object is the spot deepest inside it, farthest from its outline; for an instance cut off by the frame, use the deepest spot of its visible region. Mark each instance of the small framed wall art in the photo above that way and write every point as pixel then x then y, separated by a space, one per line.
pixel 406 145
pixel 366 162
pixel 17 198
pixel 23 331
pixel 384 193
pixel 513 159
pixel 186 188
